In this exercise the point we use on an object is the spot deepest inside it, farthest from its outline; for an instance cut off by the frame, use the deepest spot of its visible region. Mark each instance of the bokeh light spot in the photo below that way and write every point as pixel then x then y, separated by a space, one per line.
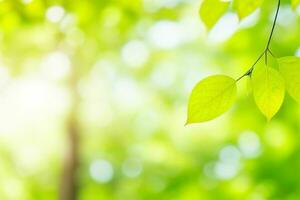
pixel 55 13
pixel 56 65
pixel 132 167
pixel 101 171
pixel 135 53
pixel 249 144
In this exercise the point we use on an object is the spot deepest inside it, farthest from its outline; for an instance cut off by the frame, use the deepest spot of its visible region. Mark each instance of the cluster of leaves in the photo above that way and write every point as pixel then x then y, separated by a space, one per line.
pixel 212 10
pixel 214 95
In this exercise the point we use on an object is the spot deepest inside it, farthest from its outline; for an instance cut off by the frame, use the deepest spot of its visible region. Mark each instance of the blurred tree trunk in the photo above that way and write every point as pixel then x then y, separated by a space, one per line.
pixel 69 187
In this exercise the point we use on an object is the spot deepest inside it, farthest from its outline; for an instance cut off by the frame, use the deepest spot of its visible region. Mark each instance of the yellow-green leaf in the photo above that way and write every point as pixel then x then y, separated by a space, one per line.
pixel 295 3
pixel 210 98
pixel 246 7
pixel 211 11
pixel 289 67
pixel 268 90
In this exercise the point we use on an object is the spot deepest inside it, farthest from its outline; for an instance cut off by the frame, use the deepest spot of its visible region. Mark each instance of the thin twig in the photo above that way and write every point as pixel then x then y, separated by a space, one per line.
pixel 273 26
pixel 249 71
pixel 265 52
pixel 272 54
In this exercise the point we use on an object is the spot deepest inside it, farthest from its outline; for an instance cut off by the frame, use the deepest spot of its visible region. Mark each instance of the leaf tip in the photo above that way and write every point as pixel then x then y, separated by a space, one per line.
pixel 187 123
pixel 240 16
pixel 269 118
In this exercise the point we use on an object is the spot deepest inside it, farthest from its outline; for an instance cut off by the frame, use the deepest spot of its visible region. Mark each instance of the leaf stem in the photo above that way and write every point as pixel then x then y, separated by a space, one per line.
pixel 265 52
pixel 249 71
pixel 272 54
pixel 273 26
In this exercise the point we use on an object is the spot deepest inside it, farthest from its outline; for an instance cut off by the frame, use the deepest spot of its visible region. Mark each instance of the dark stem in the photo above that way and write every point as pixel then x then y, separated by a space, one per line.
pixel 249 71
pixel 265 52
pixel 266 57
pixel 273 26
pixel 271 53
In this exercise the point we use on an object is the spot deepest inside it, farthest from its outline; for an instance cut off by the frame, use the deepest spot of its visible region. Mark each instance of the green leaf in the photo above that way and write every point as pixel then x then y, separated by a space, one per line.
pixel 295 3
pixel 210 98
pixel 268 90
pixel 289 67
pixel 211 11
pixel 246 7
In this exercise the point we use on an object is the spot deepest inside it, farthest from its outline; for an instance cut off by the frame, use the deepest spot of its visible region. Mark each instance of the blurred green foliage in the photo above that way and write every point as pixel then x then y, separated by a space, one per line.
pixel 134 64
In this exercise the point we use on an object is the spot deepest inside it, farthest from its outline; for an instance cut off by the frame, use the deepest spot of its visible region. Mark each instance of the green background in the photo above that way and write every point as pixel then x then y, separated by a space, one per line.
pixel 120 72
